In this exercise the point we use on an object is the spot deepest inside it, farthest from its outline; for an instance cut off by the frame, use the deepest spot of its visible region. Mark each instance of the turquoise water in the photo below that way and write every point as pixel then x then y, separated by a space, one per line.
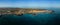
pixel 29 19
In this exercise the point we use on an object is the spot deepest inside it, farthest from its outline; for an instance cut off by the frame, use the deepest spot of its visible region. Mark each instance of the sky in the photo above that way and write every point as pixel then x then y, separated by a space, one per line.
pixel 29 3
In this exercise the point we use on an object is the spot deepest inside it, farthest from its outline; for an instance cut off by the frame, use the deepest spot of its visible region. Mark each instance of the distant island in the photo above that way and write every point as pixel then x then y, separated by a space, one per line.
pixel 21 11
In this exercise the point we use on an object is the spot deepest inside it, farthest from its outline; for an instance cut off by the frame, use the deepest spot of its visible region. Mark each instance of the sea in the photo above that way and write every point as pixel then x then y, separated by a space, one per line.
pixel 29 19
